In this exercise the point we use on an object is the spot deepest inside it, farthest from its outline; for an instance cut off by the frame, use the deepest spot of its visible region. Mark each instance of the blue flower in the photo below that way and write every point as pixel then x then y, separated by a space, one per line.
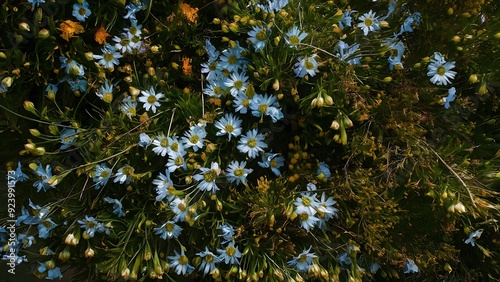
pixel 27 218
pixel 307 221
pixel 128 107
pixel 194 137
pixel 392 7
pixel 101 175
pixel 303 260
pixel 213 69
pixel 91 225
pixel 232 60
pixel 81 11
pixel 266 105
pixel 237 83
pixel 236 172
pixel 168 230
pixel 68 136
pixel 307 203
pixel 258 36
pixel 397 49
pixel 241 103
pixel 212 52
pixel 215 88
pixel 175 162
pixel 323 169
pixel 105 92
pixel 131 10
pixel 294 36
pixel 252 143
pixel 346 53
pixel 35 2
pixel 473 236
pixel 175 147
pixel 77 84
pixel 51 89
pixel 306 65
pixel 409 22
pixel 374 268
pixel 117 206
pixel 273 5
pixel 369 22
pixel 230 125
pixel 150 99
pixel 325 210
pixel 208 177
pixel 180 263
pixel 73 68
pixel 450 98
pixel 230 254
pixel 227 233
pixel 410 266
pixel 45 175
pixel 163 185
pixel 109 58
pixel 52 273
pixel 144 140
pixel 25 240
pixel 209 260
pixel 272 161
pixel 440 71
pixel 180 208
pixel 161 143
pixel 344 260
pixel 19 175
pixel 124 175
pixel 346 19
pixel 45 226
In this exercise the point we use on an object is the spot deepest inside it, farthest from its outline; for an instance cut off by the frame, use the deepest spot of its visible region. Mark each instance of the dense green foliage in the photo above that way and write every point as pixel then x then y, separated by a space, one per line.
pixel 405 178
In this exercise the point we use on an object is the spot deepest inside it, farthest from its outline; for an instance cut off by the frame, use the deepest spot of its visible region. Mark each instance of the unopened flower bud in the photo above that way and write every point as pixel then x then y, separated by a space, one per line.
pixel 24 26
pixel 234 27
pixel 7 81
pixel 328 100
pixel 483 89
pixel 43 33
pixel 384 24
pixel 50 264
pixel 125 273
pixel 64 255
pixel 2 55
pixel 276 40
pixel 460 208
pixel 276 85
pixel 320 102
pixel 34 132
pixel 450 11
pixel 387 79
pixel 216 21
pixel 456 39
pixel 473 78
pixel 335 125
pixel 29 106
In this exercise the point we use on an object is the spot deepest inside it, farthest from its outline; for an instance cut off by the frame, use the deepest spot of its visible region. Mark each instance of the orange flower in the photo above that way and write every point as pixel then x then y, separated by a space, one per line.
pixel 101 35
pixel 70 28
pixel 190 13
pixel 186 66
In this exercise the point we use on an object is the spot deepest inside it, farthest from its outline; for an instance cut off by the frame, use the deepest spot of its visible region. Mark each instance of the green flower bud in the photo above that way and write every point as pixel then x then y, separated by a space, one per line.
pixel 473 78
pixel 43 33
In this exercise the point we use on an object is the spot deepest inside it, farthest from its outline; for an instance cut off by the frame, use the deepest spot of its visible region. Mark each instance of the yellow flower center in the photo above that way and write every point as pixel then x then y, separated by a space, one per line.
pixel 218 90
pixel 261 35
pixel 107 97
pixel 252 142
pixel 212 66
pixel 239 172
pixel 210 176
pixel 174 147
pixel 306 201
pixel 104 173
pixel 108 57
pixel 304 216
pixel 133 30
pixel 194 139
pixel 238 84
pixel 294 40
pixel 302 258
pixel 82 11
pixel 182 207
pixel 209 258
pixel 368 22
pixel 263 108
pixel 178 161
pixel 90 224
pixel 228 128
pixel 151 99
pixel 169 226
pixel 47 224
pixel 183 260
pixel 164 142
pixel 230 251
pixel 308 65
pixel 441 70
pixel 232 59
pixel 273 163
